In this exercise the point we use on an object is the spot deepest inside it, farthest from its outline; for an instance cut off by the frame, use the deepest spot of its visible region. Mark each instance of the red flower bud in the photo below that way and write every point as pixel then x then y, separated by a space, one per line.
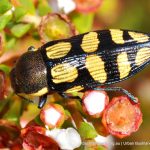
pixel 34 139
pixel 85 6
pixel 54 27
pixel 52 115
pixel 121 117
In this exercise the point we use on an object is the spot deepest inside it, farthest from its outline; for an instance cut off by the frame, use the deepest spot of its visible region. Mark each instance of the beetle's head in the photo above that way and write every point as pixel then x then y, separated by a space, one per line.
pixel 29 76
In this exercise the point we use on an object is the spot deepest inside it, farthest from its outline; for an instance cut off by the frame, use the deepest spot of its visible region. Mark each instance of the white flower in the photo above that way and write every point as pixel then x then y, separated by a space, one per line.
pixel 68 139
pixel 66 5
pixel 108 141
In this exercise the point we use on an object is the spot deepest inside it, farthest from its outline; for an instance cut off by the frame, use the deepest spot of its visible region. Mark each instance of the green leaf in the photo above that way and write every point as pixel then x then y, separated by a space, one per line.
pixel 87 131
pixel 5 68
pixel 4 19
pixel 30 113
pixel 19 13
pixel 5 5
pixel 11 43
pixel 13 113
pixel 67 113
pixel 83 22
pixel 43 8
pixel 101 147
pixel 20 29
pixel 35 35
pixel 29 6
pixel 79 106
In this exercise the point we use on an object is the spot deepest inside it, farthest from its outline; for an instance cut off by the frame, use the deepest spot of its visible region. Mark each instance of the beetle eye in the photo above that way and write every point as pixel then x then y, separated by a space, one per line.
pixel 31 48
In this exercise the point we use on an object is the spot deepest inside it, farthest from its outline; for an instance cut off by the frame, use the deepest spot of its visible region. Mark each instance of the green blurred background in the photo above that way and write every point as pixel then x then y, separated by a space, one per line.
pixel 133 15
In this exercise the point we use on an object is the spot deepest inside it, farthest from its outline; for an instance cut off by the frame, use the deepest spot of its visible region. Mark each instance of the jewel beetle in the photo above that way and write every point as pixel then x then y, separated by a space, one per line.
pixel 81 62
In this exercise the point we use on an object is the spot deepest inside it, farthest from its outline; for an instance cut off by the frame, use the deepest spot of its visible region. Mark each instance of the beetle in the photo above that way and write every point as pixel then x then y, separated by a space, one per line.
pixel 81 62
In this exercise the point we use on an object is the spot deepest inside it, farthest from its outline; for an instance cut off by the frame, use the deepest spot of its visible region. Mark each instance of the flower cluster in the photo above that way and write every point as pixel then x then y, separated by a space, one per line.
pixel 89 122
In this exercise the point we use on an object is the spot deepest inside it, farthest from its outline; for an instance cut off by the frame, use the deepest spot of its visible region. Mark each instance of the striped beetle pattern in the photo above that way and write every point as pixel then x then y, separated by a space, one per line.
pixel 81 62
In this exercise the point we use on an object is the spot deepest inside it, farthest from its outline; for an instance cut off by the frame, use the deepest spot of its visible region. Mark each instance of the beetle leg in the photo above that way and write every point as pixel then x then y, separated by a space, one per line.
pixel 42 101
pixel 26 99
pixel 64 95
pixel 119 89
